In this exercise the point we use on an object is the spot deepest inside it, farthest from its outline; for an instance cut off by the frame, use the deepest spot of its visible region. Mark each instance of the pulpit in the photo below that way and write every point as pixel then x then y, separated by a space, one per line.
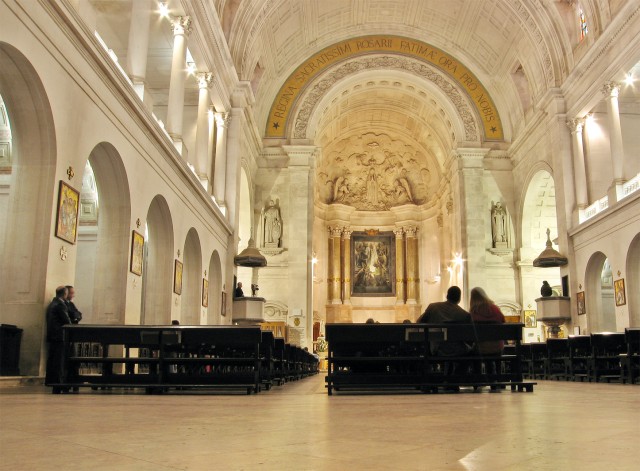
pixel 553 311
pixel 248 311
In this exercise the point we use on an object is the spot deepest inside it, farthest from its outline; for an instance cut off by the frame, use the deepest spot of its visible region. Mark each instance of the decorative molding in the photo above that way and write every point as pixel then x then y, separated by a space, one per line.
pixel 459 100
pixel 610 90
pixel 181 26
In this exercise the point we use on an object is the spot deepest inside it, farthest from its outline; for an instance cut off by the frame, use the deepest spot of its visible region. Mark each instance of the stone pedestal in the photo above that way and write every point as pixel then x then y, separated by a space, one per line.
pixel 553 311
pixel 248 311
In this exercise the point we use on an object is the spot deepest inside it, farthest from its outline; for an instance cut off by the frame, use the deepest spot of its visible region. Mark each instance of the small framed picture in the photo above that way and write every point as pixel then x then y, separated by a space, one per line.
pixel 576 330
pixel 223 304
pixel 177 277
pixel 618 287
pixel 137 251
pixel 67 218
pixel 205 292
pixel 530 319
pixel 582 307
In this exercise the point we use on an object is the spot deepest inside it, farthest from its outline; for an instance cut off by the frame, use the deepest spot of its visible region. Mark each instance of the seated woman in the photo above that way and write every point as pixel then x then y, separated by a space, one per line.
pixel 483 310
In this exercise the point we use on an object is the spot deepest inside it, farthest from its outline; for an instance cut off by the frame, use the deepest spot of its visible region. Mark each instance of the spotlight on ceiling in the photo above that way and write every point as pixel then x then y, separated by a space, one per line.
pixel 163 9
pixel 629 79
pixel 191 68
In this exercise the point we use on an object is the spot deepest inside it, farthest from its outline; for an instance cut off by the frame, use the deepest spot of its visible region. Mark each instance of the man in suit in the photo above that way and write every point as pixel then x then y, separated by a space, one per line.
pixel 74 315
pixel 57 316
pixel 238 292
pixel 444 313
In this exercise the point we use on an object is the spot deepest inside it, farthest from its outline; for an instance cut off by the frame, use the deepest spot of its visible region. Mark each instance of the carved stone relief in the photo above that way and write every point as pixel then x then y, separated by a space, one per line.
pixel 373 172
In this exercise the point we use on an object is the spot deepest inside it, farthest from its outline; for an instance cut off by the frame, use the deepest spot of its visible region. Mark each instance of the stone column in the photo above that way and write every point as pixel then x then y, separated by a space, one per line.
pixel 330 294
pixel 203 158
pixel 346 266
pixel 611 91
pixel 473 215
pixel 299 224
pixel 400 266
pixel 234 164
pixel 335 275
pixel 138 48
pixel 175 108
pixel 579 171
pixel 413 268
pixel 219 175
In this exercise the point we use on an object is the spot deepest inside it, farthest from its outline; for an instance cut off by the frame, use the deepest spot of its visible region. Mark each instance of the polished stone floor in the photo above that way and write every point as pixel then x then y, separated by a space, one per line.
pixel 560 426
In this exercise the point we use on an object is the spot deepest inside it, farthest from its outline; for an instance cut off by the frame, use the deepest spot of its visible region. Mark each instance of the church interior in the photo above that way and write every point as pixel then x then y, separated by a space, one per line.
pixel 341 160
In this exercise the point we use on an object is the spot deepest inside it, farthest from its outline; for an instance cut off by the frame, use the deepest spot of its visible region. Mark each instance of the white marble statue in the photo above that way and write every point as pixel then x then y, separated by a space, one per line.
pixel 272 225
pixel 499 225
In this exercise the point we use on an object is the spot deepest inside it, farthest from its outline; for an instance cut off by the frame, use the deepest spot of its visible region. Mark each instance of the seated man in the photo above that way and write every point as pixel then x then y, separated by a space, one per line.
pixel 447 312
pixel 238 293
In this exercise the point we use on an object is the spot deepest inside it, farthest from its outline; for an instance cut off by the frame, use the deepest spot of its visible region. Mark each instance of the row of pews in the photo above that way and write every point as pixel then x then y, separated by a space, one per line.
pixel 605 356
pixel 158 358
pixel 402 356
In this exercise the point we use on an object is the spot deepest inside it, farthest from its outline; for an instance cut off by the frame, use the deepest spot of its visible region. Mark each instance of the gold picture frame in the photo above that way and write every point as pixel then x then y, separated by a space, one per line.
pixel 530 319
pixel 67 216
pixel 177 277
pixel 205 292
pixel 223 304
pixel 582 307
pixel 137 253
pixel 618 288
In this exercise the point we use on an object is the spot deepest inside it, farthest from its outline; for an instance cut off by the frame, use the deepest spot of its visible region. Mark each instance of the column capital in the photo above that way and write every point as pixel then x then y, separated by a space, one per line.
pixel 575 125
pixel 468 157
pixel 411 231
pixel 334 231
pixel 181 26
pixel 611 90
pixel 399 232
pixel 205 79
pixel 222 119
pixel 346 233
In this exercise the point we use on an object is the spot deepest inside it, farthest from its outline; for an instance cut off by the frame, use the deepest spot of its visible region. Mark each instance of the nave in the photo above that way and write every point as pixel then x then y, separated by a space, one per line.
pixel 563 425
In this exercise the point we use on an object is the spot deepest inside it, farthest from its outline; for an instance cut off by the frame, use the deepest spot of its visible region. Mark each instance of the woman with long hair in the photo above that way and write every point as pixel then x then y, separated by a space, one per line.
pixel 483 310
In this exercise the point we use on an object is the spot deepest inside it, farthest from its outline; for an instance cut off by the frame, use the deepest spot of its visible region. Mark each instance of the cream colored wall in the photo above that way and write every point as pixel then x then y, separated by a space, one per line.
pixel 86 111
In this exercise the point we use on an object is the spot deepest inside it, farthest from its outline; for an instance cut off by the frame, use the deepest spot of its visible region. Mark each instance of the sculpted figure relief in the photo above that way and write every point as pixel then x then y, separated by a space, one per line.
pixel 498 225
pixel 272 221
pixel 373 172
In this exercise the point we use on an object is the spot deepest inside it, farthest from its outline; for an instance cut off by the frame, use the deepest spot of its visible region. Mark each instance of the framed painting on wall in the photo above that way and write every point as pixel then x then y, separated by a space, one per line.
pixel 373 264
pixel 618 288
pixel 223 304
pixel 205 292
pixel 177 277
pixel 137 250
pixel 530 319
pixel 582 307
pixel 67 217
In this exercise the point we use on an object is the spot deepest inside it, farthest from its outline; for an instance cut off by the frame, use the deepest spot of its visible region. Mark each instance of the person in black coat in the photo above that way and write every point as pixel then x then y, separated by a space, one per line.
pixel 57 317
pixel 238 293
pixel 74 315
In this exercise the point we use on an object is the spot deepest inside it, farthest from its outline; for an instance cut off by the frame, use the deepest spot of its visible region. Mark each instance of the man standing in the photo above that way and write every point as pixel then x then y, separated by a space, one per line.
pixel 238 293
pixel 57 316
pixel 444 313
pixel 74 315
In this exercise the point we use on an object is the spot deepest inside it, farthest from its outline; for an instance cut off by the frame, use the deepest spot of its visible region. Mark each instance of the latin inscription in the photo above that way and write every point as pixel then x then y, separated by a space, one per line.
pixel 306 72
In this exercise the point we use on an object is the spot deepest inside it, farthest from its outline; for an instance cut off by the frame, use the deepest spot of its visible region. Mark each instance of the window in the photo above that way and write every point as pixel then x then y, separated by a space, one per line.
pixel 583 25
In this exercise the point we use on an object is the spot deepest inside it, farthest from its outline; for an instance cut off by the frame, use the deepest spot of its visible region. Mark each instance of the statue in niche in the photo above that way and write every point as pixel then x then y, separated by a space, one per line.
pixel 372 187
pixel 499 225
pixel 272 225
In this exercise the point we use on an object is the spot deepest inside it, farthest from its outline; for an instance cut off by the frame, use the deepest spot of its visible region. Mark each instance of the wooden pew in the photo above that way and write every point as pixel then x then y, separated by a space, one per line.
pixel 393 356
pixel 579 355
pixel 184 356
pixel 557 359
pixel 606 348
pixel 267 359
pixel 630 360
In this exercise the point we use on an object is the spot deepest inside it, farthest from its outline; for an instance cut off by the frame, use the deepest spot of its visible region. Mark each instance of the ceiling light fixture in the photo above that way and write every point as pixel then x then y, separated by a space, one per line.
pixel 191 68
pixel 163 9
pixel 629 79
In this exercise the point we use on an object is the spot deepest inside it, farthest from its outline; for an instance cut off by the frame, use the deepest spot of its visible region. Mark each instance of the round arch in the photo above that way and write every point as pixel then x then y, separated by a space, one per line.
pixel 537 211
pixel 599 300
pixel 633 282
pixel 27 221
pixel 191 280
pixel 214 316
pixel 157 269
pixel 110 268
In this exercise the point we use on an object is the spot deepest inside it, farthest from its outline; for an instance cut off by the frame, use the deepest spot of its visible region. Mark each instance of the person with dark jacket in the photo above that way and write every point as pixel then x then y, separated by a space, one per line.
pixel 447 312
pixel 484 311
pixel 74 315
pixel 57 317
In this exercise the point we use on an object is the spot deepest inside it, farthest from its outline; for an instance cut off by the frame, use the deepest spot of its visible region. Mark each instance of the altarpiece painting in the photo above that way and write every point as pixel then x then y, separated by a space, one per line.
pixel 373 264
